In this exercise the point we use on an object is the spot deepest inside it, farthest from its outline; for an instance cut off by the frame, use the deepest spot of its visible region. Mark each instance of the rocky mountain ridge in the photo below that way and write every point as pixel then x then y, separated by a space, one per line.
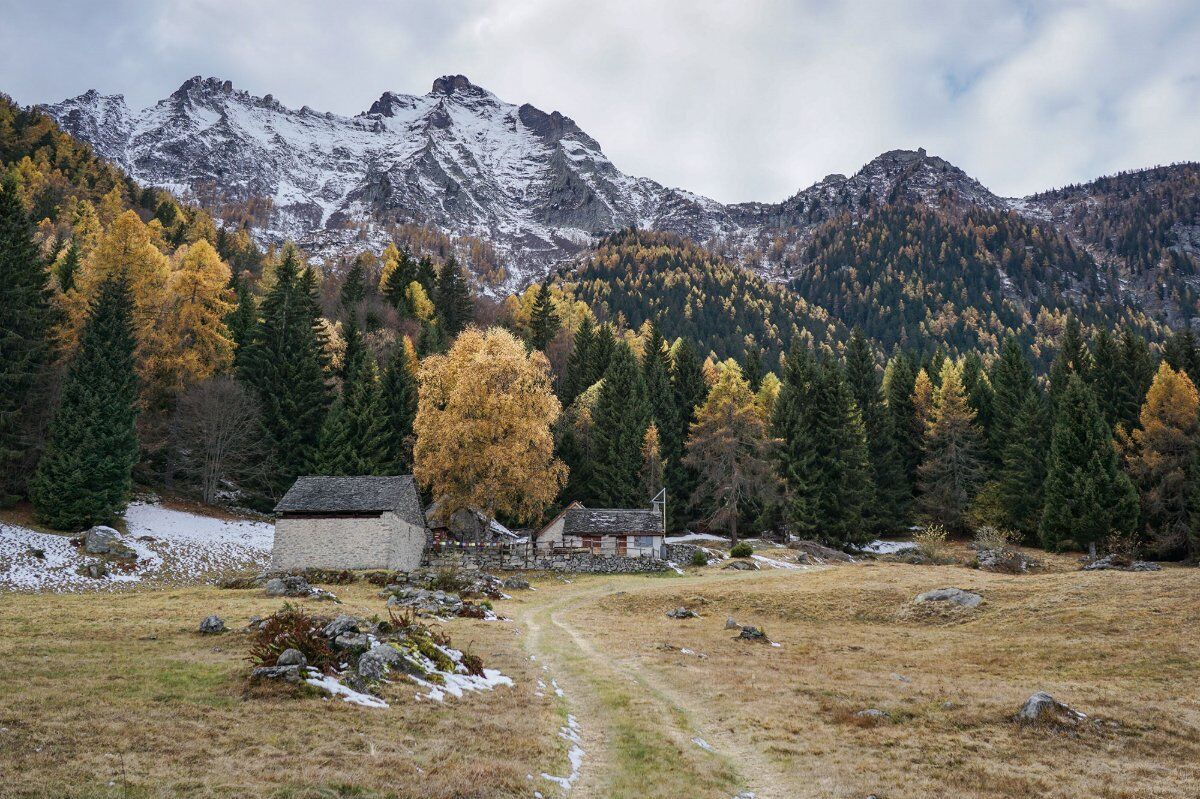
pixel 540 190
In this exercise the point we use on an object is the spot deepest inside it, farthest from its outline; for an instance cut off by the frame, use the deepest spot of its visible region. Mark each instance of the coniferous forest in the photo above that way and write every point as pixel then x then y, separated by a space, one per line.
pixel 963 369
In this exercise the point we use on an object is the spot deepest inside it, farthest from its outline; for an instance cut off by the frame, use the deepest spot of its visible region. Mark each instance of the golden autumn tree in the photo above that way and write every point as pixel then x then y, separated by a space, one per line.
pixel 952 470
pixel 1162 453
pixel 127 246
pixel 191 342
pixel 654 467
pixel 483 439
pixel 922 398
pixel 730 449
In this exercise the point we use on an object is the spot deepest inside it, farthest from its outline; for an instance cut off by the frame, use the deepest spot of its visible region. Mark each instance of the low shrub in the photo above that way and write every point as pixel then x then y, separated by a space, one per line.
pixel 292 628
pixel 995 538
pixel 741 550
pixel 330 576
pixel 448 580
pixel 931 542
pixel 700 558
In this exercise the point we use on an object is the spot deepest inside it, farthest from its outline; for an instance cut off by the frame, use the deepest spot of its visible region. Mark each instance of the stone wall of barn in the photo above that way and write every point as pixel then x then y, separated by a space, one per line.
pixel 385 542
pixel 580 562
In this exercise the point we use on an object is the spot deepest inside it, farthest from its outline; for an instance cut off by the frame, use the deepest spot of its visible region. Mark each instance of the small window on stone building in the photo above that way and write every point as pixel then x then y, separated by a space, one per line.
pixel 643 541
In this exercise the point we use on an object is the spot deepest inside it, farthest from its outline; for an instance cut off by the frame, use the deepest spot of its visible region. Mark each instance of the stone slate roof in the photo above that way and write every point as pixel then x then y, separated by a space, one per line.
pixel 334 495
pixel 610 521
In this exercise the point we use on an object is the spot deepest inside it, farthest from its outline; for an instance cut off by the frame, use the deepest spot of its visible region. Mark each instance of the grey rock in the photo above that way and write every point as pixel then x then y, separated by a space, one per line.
pixel 955 596
pixel 1042 708
pixel 425 602
pixel 731 624
pixel 682 613
pixel 291 657
pixel 284 673
pixel 872 713
pixel 1115 563
pixel 289 585
pixel 516 583
pixel 212 625
pixel 351 642
pixel 374 664
pixel 101 540
pixel 1009 561
pixel 342 624
pixel 741 565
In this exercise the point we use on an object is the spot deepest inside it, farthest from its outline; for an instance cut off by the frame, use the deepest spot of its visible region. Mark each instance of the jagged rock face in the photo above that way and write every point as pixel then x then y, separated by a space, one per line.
pixel 458 158
pixel 530 183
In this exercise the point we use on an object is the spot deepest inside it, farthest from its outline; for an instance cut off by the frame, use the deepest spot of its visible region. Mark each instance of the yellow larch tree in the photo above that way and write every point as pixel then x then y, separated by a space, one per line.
pixel 483 438
pixel 923 398
pixel 1162 455
pixel 190 343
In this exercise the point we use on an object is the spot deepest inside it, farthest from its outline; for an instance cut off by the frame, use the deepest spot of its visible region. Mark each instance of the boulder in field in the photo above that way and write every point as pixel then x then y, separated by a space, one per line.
pixel 102 540
pixel 282 673
pixel 291 657
pixel 212 625
pixel 955 596
pixel 1042 708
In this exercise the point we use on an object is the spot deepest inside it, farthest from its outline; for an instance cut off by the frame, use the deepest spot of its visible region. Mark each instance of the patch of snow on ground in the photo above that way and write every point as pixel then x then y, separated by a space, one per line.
pixel 674 567
pixel 775 564
pixel 569 733
pixel 683 539
pixel 703 744
pixel 888 547
pixel 335 688
pixel 170 544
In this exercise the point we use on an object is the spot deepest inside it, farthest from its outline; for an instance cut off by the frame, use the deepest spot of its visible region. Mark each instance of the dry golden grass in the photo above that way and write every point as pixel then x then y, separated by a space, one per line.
pixel 1121 647
pixel 116 695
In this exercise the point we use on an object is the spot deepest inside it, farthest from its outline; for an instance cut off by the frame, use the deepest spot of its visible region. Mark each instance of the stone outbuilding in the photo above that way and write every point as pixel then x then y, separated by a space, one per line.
pixel 349 523
pixel 604 531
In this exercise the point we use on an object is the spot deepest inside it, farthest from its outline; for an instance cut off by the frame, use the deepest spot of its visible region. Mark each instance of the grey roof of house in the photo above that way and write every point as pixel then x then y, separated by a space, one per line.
pixel 611 521
pixel 355 495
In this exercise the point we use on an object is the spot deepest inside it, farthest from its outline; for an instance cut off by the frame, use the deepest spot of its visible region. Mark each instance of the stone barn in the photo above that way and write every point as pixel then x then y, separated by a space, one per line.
pixel 604 531
pixel 349 523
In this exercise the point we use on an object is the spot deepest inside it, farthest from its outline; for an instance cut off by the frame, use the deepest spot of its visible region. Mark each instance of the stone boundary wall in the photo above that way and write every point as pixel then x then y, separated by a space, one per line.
pixel 682 554
pixel 586 563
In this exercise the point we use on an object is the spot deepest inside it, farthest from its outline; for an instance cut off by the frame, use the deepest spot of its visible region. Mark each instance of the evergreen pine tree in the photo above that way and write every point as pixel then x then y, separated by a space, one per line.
pixel 242 322
pixel 1012 381
pixel 899 380
pixel 85 474
pixel 1182 354
pixel 821 456
pixel 619 424
pixel 399 386
pixel 752 365
pixel 1021 475
pixel 1073 358
pixel 980 396
pixel 579 365
pixel 452 299
pixel 604 348
pixel 951 471
pixel 1087 495
pixel 26 318
pixel 544 323
pixel 396 282
pixel 1106 375
pixel 285 370
pixel 688 391
pixel 892 492
pixel 68 268
pixel 427 276
pixel 432 339
pixel 656 374
pixel 1133 378
pixel 354 288
pixel 354 437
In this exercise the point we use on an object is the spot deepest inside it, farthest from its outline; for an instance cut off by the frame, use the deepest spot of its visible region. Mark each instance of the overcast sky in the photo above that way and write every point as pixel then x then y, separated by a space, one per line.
pixel 735 99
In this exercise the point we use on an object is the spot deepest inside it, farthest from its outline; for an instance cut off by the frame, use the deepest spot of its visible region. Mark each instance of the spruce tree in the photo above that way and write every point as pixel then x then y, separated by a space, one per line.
pixel 821 456
pixel 1133 378
pixel 242 322
pixel 354 287
pixel 395 284
pixel 85 474
pixel 892 492
pixel 688 390
pixel 399 387
pixel 1073 358
pixel 1087 495
pixel 354 437
pixel 68 268
pixel 285 369
pixel 1021 476
pixel 656 374
pixel 899 380
pixel 1181 353
pixel 544 323
pixel 1012 382
pixel 619 424
pixel 1106 375
pixel 752 365
pixel 452 299
pixel 26 318
pixel 427 276
pixel 951 471
pixel 980 396
pixel 578 363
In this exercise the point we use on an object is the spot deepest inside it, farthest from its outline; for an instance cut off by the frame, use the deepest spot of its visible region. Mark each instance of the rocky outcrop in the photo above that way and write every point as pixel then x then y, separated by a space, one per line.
pixel 953 596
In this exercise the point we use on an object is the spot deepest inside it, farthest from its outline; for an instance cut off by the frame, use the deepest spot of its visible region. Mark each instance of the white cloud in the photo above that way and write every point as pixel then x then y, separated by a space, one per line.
pixel 738 100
